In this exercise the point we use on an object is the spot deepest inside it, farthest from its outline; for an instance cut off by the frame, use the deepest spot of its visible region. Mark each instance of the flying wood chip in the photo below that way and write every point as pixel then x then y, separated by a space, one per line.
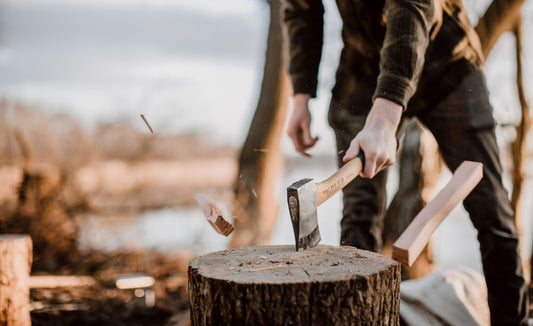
pixel 147 124
pixel 213 215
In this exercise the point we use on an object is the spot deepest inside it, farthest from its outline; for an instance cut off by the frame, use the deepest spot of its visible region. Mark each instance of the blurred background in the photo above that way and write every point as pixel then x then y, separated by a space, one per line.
pixel 75 155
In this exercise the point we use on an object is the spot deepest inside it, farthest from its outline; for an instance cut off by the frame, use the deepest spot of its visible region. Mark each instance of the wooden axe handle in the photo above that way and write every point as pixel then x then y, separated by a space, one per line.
pixel 343 176
pixel 411 242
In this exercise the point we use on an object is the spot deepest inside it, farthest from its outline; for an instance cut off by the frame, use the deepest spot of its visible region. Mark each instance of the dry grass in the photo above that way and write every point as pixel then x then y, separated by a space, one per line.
pixel 115 166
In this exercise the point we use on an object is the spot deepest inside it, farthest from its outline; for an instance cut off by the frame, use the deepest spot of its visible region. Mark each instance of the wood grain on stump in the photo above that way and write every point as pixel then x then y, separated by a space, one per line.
pixel 15 264
pixel 275 285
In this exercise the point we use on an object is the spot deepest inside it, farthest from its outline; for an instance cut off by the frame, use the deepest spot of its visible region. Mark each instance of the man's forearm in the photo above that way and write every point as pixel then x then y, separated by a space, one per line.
pixel 386 113
pixel 404 48
pixel 303 20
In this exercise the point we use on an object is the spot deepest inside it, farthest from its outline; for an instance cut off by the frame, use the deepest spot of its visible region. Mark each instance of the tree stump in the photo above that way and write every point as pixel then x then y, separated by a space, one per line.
pixel 15 258
pixel 275 285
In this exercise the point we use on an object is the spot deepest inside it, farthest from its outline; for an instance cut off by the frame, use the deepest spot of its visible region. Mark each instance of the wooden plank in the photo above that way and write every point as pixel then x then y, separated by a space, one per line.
pixel 411 242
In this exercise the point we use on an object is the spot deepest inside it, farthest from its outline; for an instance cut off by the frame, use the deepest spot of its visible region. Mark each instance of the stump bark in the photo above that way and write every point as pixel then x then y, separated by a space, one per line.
pixel 275 285
pixel 15 264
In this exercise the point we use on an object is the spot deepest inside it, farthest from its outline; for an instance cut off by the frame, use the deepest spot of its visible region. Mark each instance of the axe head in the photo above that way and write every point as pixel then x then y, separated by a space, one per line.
pixel 301 196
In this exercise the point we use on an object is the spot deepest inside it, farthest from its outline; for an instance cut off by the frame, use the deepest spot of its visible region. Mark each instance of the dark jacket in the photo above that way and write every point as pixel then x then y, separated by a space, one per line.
pixel 408 51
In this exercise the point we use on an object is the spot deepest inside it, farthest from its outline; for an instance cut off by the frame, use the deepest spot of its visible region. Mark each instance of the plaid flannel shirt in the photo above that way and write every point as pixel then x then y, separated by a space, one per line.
pixel 408 51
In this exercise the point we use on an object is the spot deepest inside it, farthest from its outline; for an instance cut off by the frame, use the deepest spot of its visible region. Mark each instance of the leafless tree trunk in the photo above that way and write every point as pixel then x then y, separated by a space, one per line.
pixel 519 149
pixel 519 145
pixel 261 159
pixel 499 18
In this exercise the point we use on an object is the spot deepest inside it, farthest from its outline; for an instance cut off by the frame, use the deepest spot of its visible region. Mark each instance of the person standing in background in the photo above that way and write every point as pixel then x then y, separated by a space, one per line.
pixel 402 59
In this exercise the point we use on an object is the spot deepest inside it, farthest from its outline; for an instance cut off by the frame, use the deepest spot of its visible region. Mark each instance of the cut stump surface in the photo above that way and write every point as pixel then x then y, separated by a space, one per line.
pixel 275 285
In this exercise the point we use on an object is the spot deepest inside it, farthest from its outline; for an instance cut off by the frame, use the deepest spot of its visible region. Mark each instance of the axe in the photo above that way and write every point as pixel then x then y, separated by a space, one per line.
pixel 305 196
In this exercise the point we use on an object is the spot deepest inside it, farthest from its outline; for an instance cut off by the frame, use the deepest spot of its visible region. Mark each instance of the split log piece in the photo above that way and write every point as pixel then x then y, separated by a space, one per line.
pixel 214 215
pixel 15 265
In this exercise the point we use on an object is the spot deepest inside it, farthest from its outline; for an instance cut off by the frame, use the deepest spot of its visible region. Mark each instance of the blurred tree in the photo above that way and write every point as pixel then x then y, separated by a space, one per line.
pixel 417 177
pixel 255 205
pixel 519 150
pixel 40 213
pixel 500 17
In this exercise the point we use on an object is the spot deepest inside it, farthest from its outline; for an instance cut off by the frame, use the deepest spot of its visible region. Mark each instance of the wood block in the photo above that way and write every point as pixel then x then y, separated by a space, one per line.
pixel 411 242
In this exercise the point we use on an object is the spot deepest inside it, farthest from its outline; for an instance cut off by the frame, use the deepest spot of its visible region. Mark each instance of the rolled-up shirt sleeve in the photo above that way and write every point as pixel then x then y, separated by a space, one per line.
pixel 304 24
pixel 408 25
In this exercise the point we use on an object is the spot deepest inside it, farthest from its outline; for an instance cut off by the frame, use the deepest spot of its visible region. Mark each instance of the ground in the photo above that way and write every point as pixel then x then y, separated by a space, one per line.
pixel 104 304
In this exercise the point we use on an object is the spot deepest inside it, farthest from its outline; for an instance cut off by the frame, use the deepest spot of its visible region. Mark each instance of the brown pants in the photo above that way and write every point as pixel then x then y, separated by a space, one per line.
pixel 464 129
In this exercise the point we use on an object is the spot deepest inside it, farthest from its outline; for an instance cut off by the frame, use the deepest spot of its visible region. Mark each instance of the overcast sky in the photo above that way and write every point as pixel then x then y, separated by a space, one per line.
pixel 177 62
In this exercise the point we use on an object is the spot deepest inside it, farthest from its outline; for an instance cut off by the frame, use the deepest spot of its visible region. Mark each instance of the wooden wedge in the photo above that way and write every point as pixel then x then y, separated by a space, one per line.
pixel 214 215
pixel 411 242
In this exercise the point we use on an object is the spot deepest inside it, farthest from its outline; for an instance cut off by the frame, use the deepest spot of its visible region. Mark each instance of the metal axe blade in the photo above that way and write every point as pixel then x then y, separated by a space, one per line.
pixel 301 197
pixel 305 196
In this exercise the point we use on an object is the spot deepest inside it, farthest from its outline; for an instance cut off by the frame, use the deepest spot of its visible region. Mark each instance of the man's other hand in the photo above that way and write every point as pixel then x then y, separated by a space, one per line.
pixel 299 125
pixel 377 139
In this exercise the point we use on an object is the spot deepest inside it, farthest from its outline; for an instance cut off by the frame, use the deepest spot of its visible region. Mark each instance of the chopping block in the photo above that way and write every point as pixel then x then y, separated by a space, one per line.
pixel 274 285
